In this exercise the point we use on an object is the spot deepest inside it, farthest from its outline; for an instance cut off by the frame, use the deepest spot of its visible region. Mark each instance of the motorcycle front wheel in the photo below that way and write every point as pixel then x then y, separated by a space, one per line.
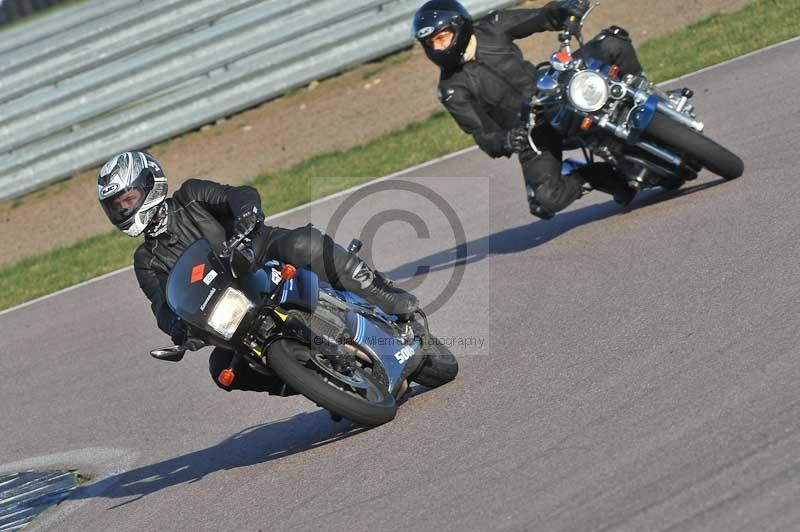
pixel 366 402
pixel 695 145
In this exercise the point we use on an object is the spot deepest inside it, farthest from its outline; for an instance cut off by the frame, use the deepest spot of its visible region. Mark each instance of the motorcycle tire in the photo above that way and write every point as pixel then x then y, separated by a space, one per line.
pixel 286 356
pixel 695 145
pixel 439 367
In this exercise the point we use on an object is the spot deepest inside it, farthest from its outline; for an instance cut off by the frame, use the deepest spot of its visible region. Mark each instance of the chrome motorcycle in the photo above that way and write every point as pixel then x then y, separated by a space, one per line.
pixel 652 138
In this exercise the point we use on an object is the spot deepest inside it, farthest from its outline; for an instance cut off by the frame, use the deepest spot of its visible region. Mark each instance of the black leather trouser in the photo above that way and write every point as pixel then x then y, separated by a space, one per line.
pixel 305 247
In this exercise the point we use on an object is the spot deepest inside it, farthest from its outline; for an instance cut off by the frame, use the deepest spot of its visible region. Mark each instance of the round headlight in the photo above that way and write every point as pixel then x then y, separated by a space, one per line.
pixel 588 91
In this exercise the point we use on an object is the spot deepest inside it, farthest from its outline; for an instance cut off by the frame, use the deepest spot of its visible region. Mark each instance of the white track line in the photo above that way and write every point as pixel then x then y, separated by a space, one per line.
pixel 390 176
pixel 272 217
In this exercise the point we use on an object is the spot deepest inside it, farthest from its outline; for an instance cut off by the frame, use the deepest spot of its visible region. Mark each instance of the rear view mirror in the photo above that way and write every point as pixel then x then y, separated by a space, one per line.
pixel 170 354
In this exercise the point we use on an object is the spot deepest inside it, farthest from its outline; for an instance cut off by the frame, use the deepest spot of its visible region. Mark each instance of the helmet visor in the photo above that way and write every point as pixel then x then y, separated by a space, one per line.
pixel 124 205
pixel 441 40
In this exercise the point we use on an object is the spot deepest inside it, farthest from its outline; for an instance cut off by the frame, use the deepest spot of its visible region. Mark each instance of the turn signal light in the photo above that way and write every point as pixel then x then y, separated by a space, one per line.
pixel 614 72
pixel 226 377
pixel 586 124
pixel 288 272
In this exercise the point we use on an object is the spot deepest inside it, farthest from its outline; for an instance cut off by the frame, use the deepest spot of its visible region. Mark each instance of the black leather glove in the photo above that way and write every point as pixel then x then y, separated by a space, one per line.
pixel 576 8
pixel 248 218
pixel 517 140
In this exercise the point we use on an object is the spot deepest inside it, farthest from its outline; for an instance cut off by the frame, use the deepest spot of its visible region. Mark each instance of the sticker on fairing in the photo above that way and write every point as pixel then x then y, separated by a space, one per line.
pixel 197 273
pixel 276 276
pixel 209 278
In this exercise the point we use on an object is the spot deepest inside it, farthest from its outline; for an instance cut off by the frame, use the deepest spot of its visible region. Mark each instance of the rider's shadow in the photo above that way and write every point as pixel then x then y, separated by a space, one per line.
pixel 255 445
pixel 531 235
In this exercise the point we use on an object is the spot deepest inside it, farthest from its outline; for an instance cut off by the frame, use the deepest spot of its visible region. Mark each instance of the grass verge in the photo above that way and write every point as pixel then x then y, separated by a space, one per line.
pixel 40 14
pixel 705 43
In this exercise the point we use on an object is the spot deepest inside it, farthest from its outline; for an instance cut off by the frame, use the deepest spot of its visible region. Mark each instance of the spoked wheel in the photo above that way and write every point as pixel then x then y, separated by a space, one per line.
pixel 357 395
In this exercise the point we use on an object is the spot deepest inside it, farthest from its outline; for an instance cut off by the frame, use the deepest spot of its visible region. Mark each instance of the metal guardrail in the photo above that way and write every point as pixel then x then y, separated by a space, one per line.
pixel 116 86
pixel 60 21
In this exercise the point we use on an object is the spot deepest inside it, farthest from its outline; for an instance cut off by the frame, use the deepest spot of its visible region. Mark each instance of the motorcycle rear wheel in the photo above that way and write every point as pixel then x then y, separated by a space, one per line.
pixel 439 367
pixel 376 408
pixel 696 146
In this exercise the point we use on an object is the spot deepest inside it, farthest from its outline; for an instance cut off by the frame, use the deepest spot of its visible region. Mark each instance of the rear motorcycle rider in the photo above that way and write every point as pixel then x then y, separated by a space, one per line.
pixel 485 80
pixel 132 190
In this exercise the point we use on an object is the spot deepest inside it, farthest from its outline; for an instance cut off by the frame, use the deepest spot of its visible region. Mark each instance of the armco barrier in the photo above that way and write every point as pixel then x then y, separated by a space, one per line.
pixel 121 81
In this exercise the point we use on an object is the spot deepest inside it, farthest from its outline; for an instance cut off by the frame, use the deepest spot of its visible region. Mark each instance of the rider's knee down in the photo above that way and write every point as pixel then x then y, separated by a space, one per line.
pixel 540 205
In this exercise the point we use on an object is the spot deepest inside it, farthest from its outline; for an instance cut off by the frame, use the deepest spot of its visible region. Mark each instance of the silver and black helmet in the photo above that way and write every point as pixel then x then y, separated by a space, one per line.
pixel 131 186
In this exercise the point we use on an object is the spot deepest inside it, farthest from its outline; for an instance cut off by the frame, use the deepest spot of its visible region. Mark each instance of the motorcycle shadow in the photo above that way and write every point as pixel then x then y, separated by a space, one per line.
pixel 531 235
pixel 255 445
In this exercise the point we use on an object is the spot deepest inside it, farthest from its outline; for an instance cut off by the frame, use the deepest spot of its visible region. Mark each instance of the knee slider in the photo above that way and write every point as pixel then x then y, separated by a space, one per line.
pixel 545 198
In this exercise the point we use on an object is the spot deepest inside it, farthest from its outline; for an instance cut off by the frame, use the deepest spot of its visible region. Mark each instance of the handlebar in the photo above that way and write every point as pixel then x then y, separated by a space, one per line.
pixel 233 242
pixel 573 26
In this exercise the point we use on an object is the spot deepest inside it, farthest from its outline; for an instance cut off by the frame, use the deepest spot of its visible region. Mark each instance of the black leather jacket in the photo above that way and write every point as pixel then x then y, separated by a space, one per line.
pixel 486 95
pixel 199 209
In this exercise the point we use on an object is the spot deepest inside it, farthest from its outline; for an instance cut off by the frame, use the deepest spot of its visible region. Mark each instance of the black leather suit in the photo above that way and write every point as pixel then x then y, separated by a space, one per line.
pixel 205 209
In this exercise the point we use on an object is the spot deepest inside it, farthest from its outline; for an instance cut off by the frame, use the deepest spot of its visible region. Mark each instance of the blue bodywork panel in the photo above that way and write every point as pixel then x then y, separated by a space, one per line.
pixel 643 116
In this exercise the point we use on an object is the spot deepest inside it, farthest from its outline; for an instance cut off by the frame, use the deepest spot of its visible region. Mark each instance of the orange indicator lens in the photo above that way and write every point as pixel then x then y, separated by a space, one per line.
pixel 226 377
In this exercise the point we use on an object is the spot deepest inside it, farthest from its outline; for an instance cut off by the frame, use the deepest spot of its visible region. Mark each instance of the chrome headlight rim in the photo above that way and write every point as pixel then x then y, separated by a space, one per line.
pixel 579 82
pixel 228 312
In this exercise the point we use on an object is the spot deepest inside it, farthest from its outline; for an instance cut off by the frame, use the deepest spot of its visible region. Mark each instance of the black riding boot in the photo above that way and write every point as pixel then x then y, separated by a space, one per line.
pixel 602 177
pixel 377 289
pixel 308 247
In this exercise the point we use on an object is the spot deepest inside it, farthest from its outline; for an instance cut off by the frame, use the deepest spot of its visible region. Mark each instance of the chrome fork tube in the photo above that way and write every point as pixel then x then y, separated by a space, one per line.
pixel 680 117
pixel 652 149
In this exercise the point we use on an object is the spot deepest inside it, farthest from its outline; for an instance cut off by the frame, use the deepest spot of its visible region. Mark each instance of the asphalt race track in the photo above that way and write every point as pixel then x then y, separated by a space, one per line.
pixel 621 369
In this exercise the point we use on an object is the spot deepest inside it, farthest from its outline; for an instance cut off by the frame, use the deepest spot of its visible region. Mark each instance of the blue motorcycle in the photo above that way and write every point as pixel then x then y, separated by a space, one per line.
pixel 331 346
pixel 652 138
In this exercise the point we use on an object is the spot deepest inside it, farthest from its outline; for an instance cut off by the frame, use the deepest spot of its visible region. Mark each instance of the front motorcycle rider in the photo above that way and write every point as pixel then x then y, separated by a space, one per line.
pixel 132 190
pixel 485 80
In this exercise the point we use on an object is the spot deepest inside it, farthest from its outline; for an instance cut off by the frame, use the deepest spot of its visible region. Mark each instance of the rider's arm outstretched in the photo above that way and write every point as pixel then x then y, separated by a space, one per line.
pixel 521 23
